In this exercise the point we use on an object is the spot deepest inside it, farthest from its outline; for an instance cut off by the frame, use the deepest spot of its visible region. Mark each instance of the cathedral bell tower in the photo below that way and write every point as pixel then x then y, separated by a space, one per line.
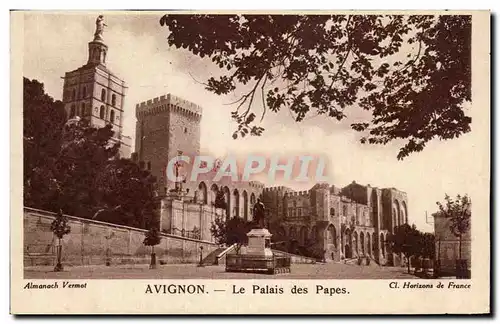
pixel 97 48
pixel 94 93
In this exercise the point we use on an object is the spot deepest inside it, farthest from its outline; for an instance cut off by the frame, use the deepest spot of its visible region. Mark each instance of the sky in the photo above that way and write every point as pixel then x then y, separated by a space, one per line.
pixel 139 54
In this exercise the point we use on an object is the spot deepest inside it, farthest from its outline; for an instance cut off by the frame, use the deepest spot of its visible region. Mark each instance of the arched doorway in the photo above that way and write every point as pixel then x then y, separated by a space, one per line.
pixel 331 235
pixel 374 208
pixel 245 205
pixel 303 235
pixel 202 192
pixel 374 244
pixel 252 203
pixel 236 209
pixel 227 197
pixel 334 236
pixel 314 234
pixel 397 215
pixel 368 243
pixel 213 193
pixel 404 211
pixel 348 244
pixel 362 242
pixel 355 242
pixel 382 244
pixel 348 251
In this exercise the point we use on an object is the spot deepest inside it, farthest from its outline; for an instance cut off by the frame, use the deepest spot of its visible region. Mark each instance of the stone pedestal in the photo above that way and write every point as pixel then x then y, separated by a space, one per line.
pixel 259 243
pixel 258 256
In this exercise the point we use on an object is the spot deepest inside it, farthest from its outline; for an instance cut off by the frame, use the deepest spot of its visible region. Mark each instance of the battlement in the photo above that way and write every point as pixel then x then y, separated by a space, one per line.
pixel 300 194
pixel 256 184
pixel 322 185
pixel 169 103
pixel 278 189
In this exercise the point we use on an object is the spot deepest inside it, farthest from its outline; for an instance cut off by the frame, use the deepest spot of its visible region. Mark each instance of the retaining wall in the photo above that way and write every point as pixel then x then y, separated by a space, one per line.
pixel 94 242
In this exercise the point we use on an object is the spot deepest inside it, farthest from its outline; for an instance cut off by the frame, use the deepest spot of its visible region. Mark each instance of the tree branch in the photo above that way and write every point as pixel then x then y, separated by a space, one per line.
pixel 263 101
pixel 349 47
pixel 205 84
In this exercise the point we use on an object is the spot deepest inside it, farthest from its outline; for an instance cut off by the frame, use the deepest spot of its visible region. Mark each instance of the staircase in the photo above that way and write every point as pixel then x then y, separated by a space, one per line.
pixel 212 257
pixel 217 256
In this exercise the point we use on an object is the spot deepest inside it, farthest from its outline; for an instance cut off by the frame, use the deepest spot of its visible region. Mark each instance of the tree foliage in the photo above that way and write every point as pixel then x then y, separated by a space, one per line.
pixel 220 200
pixel 126 192
pixel 84 153
pixel 218 230
pixel 75 167
pixel 427 245
pixel 43 121
pixel 412 73
pixel 60 226
pixel 152 237
pixel 230 232
pixel 405 239
pixel 458 211
pixel 410 241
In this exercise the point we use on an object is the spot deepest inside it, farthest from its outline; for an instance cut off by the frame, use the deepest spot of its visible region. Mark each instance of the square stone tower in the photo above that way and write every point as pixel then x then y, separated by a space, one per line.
pixel 165 127
pixel 94 93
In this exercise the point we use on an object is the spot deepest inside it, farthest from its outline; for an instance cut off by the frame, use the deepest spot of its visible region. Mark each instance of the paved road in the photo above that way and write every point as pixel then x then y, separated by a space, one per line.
pixel 191 271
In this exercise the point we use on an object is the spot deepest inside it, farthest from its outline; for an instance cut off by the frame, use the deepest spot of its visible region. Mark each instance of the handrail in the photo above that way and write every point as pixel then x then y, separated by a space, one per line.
pixel 227 250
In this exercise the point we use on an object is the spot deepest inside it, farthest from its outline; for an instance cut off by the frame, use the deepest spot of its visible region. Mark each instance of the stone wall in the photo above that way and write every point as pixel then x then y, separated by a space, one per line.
pixel 447 245
pixel 187 218
pixel 294 258
pixel 93 242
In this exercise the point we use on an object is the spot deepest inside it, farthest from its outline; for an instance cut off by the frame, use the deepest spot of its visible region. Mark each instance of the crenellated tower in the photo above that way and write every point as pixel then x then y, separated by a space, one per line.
pixel 165 127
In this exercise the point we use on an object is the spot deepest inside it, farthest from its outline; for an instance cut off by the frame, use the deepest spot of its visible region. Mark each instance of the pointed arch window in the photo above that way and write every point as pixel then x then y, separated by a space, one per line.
pixel 101 112
pixel 112 116
pixel 103 95
pixel 113 100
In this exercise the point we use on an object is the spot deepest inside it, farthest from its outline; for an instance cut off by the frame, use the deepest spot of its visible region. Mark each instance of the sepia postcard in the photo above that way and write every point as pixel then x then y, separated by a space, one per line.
pixel 196 162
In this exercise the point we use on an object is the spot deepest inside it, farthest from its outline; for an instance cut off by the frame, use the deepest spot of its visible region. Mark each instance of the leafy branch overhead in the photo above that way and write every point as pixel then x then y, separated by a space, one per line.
pixel 412 73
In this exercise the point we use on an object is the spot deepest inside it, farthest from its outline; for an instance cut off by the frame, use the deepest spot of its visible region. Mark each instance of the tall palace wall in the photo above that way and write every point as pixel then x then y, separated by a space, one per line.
pixel 94 242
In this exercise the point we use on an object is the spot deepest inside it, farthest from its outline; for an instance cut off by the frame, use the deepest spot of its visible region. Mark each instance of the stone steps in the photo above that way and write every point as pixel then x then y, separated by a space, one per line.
pixel 212 257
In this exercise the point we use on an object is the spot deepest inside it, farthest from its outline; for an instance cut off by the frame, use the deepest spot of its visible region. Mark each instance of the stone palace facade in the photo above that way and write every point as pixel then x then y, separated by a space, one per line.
pixel 337 223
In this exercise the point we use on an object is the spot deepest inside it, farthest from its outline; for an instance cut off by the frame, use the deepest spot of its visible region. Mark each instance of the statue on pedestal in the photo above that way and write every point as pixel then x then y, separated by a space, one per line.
pixel 259 214
pixel 99 28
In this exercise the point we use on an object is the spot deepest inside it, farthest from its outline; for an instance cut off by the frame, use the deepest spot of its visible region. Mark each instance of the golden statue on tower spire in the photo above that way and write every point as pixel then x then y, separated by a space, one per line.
pixel 99 28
